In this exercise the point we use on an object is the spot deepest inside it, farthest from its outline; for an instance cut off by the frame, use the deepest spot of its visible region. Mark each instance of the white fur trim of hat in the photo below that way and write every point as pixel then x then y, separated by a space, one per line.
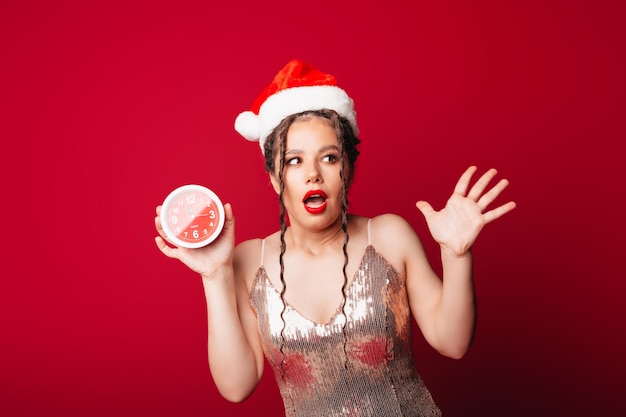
pixel 280 100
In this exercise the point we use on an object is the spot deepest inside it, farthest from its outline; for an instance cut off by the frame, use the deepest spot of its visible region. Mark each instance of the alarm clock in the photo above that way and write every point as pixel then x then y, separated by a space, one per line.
pixel 192 216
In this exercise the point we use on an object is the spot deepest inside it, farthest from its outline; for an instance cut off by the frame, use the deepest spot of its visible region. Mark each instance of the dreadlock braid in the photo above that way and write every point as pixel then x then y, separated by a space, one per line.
pixel 344 228
pixel 283 248
pixel 347 143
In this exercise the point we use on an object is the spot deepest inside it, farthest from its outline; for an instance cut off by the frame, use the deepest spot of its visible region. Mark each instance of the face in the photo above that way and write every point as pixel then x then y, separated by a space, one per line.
pixel 311 178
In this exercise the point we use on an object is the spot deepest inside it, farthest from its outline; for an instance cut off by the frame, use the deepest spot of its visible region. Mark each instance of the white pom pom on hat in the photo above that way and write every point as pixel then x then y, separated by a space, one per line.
pixel 296 88
pixel 247 124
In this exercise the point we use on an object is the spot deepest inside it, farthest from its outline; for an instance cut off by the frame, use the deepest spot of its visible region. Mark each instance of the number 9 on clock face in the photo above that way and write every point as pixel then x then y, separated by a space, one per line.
pixel 192 216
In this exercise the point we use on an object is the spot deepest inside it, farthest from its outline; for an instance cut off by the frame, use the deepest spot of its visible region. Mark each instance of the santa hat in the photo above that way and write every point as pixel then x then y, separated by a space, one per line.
pixel 296 88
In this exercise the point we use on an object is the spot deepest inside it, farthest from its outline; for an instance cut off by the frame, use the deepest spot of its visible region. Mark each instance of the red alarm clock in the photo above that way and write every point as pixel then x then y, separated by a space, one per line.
pixel 192 216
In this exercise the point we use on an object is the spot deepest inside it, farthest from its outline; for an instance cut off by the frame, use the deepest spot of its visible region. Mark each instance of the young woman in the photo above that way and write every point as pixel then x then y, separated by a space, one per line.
pixel 328 298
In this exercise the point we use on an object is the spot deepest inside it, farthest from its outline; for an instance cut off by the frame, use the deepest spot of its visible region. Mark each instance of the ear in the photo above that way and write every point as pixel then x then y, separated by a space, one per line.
pixel 275 183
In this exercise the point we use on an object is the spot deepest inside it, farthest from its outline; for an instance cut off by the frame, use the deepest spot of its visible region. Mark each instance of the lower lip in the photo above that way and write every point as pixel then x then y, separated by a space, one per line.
pixel 316 210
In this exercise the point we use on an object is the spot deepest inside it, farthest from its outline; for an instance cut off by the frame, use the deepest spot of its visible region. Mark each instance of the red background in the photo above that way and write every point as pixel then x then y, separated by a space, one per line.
pixel 107 108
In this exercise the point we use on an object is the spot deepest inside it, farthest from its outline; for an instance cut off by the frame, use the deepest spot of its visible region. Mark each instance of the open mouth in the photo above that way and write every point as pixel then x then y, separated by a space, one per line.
pixel 315 201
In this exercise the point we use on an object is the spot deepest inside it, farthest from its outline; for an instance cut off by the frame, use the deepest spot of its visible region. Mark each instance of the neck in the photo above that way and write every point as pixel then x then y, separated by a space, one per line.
pixel 315 242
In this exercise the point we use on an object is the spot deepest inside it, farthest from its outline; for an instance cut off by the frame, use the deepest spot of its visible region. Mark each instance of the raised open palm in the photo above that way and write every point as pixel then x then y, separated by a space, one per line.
pixel 459 223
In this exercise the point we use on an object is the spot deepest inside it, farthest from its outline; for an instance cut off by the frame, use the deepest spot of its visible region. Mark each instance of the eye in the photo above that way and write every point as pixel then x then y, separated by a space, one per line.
pixel 292 161
pixel 330 158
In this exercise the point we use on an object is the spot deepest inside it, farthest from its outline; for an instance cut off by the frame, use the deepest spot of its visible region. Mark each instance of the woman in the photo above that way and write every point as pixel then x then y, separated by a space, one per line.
pixel 328 298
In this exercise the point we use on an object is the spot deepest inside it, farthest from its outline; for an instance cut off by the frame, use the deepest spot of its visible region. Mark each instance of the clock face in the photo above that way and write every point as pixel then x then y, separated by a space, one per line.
pixel 192 216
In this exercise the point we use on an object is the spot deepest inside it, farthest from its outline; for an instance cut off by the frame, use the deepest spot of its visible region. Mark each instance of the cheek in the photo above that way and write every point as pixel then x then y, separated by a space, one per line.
pixel 290 183
pixel 332 176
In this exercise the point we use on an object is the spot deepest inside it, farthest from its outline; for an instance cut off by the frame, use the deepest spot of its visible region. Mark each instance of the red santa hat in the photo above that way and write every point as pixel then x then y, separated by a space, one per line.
pixel 296 88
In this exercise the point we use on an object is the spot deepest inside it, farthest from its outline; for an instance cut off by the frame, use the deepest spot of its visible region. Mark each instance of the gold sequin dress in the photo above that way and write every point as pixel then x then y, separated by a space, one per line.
pixel 369 371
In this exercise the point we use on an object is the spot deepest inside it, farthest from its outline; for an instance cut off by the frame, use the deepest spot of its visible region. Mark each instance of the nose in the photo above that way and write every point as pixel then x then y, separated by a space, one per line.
pixel 313 174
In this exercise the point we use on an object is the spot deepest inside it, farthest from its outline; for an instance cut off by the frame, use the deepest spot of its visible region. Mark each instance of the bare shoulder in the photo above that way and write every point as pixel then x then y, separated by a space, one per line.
pixel 395 239
pixel 392 229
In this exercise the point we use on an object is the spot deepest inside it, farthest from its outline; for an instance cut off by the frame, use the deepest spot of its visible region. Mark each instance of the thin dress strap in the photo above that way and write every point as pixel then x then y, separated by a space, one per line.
pixel 369 230
pixel 262 251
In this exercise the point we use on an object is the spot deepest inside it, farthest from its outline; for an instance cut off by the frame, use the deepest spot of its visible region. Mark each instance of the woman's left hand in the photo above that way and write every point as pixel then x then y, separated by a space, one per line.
pixel 457 225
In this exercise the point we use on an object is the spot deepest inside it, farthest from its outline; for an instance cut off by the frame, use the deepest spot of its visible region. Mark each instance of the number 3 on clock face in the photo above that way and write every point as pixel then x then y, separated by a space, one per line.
pixel 192 216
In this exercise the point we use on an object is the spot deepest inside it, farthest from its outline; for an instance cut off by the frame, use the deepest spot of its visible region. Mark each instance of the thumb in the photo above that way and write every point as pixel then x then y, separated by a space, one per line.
pixel 426 209
pixel 229 219
pixel 228 213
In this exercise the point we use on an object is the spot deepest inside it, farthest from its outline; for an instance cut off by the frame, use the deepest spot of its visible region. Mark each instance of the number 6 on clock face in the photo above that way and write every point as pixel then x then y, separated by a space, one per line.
pixel 192 216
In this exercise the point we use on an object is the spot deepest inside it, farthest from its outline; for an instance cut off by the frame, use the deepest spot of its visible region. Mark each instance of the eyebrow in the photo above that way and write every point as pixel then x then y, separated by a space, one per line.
pixel 321 150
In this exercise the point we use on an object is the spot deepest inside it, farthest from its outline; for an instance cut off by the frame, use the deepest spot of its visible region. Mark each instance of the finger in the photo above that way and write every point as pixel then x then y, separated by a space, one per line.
pixel 498 212
pixel 158 210
pixel 481 184
pixel 426 209
pixel 492 194
pixel 157 223
pixel 164 248
pixel 228 213
pixel 159 227
pixel 463 183
pixel 229 220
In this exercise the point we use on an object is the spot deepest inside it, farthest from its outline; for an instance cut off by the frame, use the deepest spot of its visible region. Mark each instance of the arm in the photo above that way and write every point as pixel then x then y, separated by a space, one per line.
pixel 446 311
pixel 455 313
pixel 235 356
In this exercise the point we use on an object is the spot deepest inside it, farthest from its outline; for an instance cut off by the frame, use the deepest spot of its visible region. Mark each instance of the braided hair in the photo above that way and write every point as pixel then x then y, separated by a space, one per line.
pixel 347 144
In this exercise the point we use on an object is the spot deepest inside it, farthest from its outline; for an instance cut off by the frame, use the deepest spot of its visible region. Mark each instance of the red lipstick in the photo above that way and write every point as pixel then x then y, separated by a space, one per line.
pixel 315 201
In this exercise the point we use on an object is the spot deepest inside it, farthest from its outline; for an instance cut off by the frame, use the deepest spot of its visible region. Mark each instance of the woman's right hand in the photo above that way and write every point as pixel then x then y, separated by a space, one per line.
pixel 209 259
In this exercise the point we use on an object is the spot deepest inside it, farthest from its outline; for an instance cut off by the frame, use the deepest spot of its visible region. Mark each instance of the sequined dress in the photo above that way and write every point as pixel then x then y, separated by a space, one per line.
pixel 374 376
